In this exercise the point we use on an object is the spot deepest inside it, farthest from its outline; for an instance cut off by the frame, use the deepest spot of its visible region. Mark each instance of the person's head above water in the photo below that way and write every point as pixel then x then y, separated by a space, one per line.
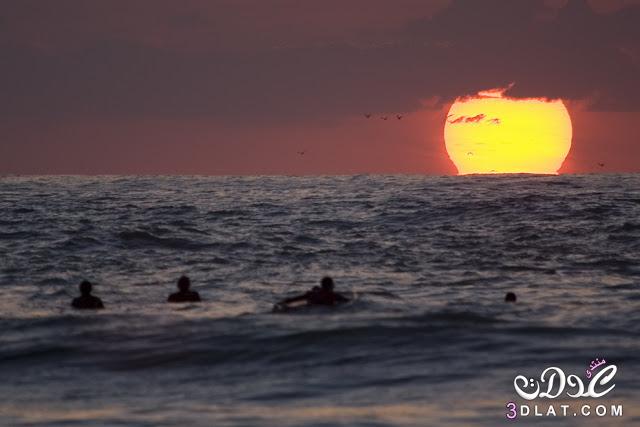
pixel 510 297
pixel 184 283
pixel 86 300
pixel 85 288
pixel 327 284
pixel 184 294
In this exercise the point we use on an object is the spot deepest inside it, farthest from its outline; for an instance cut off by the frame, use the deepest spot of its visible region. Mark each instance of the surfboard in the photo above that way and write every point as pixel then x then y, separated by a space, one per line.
pixel 284 307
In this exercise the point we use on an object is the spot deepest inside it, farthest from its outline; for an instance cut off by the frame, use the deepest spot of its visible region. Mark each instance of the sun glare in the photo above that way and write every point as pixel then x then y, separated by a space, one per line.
pixel 491 133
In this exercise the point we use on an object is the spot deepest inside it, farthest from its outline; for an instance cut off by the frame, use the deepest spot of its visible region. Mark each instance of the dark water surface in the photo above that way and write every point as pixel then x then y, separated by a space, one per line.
pixel 426 341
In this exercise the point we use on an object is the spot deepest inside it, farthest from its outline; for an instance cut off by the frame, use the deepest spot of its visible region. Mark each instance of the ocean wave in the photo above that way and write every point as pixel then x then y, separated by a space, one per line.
pixel 426 259
pixel 137 239
pixel 18 235
pixel 241 343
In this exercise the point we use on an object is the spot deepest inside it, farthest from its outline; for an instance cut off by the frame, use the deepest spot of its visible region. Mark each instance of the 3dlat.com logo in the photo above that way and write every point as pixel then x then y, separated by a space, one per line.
pixel 553 383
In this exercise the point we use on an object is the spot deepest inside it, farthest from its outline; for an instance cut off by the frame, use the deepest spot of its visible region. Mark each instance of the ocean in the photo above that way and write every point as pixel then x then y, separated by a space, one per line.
pixel 426 340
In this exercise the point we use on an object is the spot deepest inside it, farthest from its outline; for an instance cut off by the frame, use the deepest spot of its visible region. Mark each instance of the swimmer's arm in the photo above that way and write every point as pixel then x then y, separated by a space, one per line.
pixel 341 298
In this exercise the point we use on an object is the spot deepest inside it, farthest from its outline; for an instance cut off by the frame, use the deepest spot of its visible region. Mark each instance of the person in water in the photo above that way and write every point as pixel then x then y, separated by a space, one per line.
pixel 323 295
pixel 510 297
pixel 184 294
pixel 86 301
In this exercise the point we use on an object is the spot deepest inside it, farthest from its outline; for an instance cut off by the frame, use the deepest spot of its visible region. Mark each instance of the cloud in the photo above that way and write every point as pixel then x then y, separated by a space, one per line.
pixel 468 46
pixel 464 119
pixel 475 119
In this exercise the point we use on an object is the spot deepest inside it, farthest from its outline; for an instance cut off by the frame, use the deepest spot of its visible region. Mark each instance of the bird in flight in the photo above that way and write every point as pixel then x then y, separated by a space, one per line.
pixel 399 116
pixel 470 153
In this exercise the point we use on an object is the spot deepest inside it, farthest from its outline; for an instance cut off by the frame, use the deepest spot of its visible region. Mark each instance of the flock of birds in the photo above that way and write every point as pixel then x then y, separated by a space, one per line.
pixel 367 116
pixel 398 116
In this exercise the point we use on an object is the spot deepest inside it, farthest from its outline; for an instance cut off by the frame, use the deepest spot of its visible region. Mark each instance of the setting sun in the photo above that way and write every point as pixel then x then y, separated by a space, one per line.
pixel 491 133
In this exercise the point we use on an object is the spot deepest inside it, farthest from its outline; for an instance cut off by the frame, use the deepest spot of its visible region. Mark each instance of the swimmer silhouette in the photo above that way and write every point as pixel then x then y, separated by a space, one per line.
pixel 184 294
pixel 86 301
pixel 323 295
pixel 510 297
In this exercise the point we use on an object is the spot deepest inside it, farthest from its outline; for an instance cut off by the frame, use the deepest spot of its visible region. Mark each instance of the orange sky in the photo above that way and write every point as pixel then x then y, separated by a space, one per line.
pixel 239 87
pixel 353 145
